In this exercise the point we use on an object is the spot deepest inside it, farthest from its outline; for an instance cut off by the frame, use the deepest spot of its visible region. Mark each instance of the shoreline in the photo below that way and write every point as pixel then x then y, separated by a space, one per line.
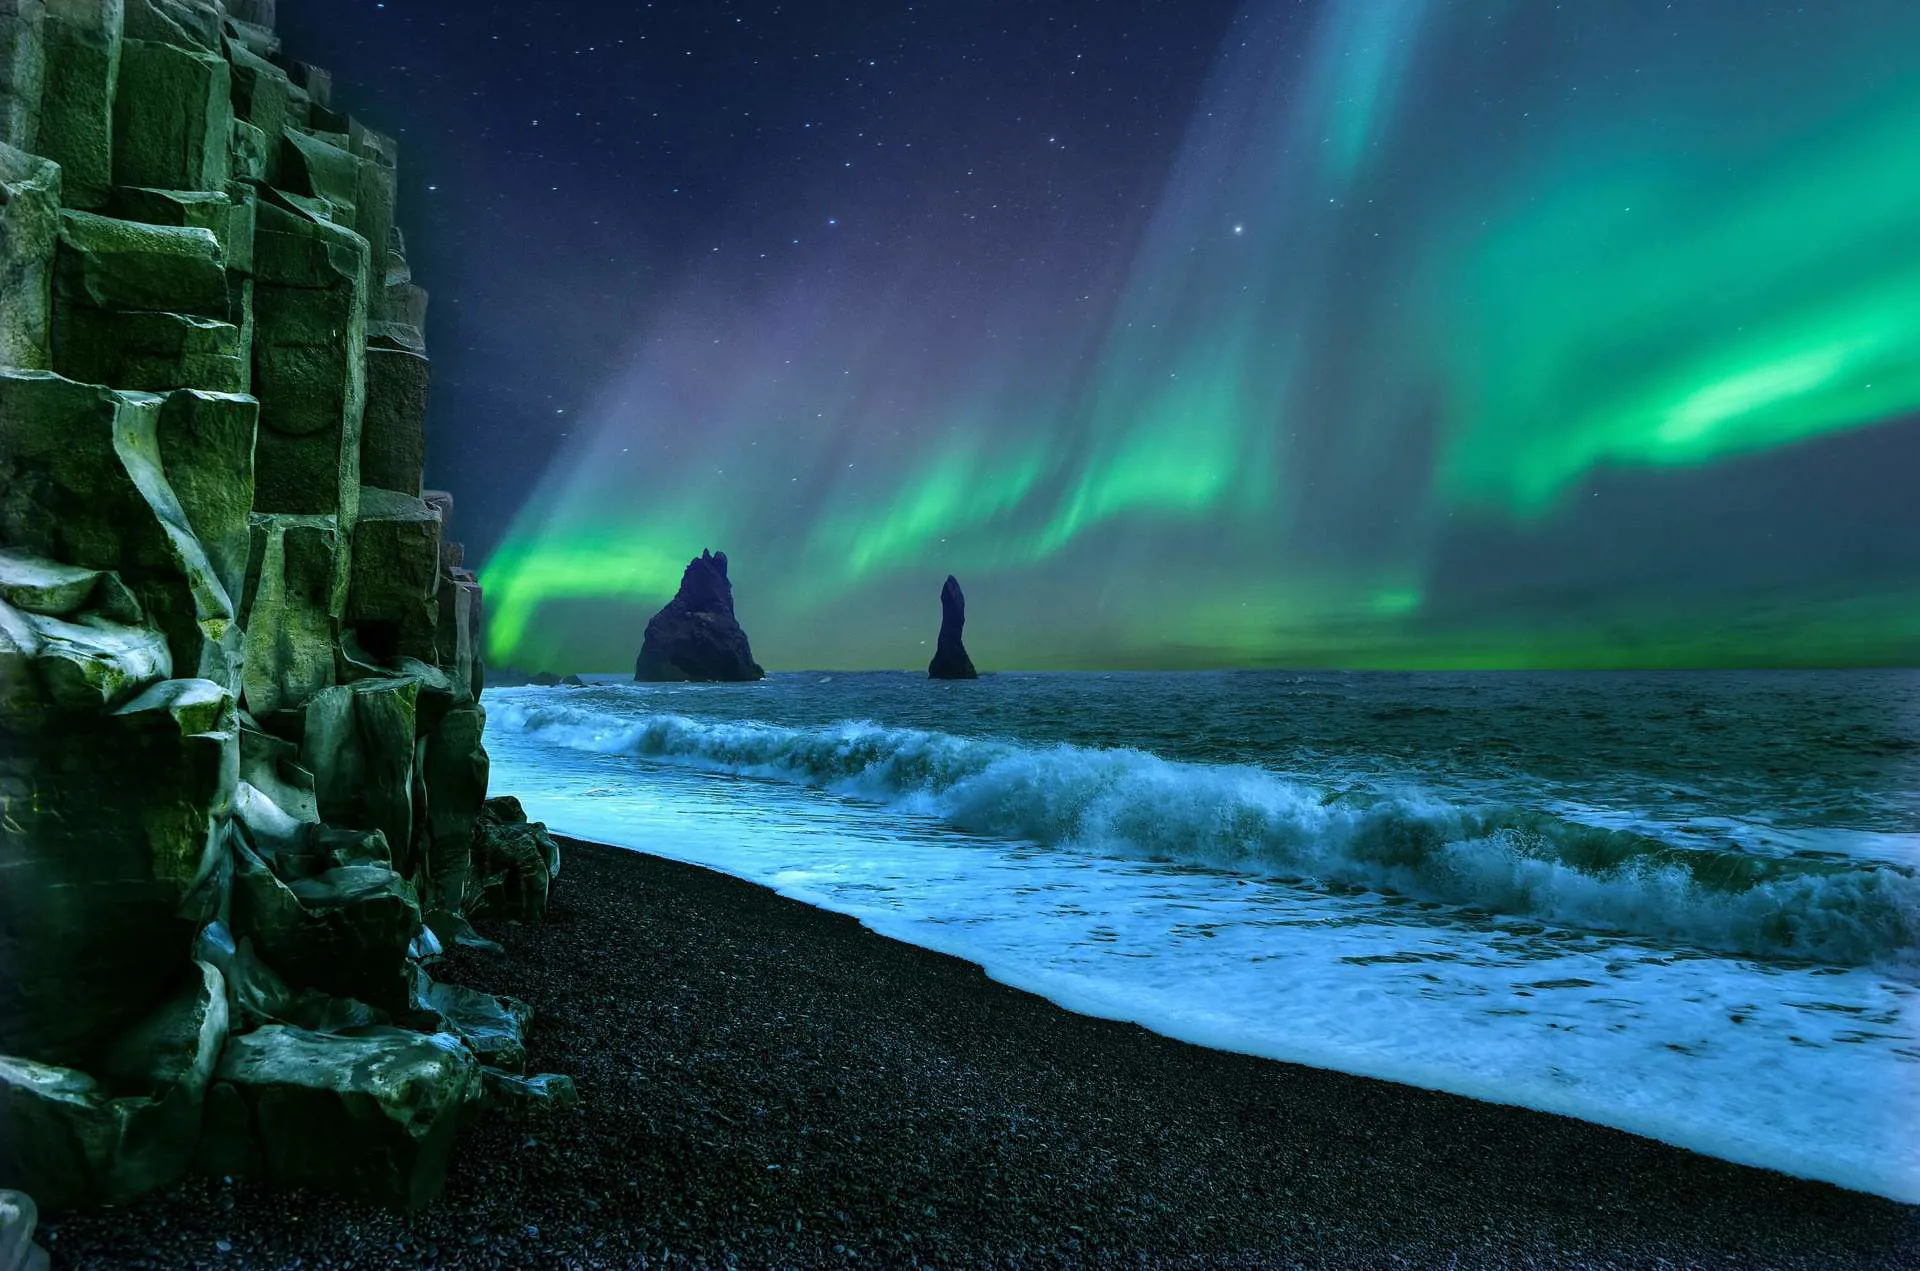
pixel 774 1084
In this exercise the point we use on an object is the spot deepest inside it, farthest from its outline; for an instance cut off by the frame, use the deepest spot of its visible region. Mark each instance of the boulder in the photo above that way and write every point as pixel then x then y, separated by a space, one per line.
pixel 309 363
pixel 398 319
pixel 88 664
pixel 294 598
pixel 696 637
pixel 18 1218
pixel 374 1114
pixel 172 116
pixel 493 1028
pixel 108 863
pixel 518 1096
pixel 82 481
pixel 374 194
pixel 322 177
pixel 392 604
pixel 393 439
pixel 29 232
pixel 257 994
pixel 108 263
pixel 453 634
pixel 68 1139
pixel 40 586
pixel 514 862
pixel 75 127
pixel 950 660
pixel 344 932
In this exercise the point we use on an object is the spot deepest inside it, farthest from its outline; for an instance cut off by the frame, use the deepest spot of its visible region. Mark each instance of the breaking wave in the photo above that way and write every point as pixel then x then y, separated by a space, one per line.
pixel 1132 803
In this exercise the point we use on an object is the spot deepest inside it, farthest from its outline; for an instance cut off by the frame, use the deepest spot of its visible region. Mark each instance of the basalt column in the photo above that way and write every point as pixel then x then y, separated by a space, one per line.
pixel 243 797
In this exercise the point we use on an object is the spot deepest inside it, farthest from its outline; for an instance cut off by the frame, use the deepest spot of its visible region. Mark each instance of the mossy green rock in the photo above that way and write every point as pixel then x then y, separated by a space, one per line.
pixel 75 127
pixel 49 663
pixel 347 929
pixel 373 1114
pixel 82 481
pixel 359 743
pixel 393 602
pixel 206 452
pixel 151 352
pixel 309 363
pixel 172 117
pixel 29 233
pixel 108 263
pixel 70 1140
pixel 393 439
pixel 292 604
pixel 493 1028
pixel 228 219
pixel 105 863
pixel 455 784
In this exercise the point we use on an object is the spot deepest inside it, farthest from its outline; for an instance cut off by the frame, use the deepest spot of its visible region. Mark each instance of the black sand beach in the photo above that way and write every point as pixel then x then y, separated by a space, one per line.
pixel 764 1084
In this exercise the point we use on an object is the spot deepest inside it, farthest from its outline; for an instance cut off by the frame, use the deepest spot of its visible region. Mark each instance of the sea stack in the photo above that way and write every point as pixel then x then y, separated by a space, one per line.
pixel 950 660
pixel 696 636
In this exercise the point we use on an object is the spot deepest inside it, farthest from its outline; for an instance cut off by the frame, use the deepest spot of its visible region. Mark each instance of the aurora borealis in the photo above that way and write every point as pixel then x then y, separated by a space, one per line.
pixel 1443 334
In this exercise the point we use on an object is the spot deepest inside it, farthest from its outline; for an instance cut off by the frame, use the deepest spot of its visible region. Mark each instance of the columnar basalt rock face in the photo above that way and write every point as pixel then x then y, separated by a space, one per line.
pixel 242 783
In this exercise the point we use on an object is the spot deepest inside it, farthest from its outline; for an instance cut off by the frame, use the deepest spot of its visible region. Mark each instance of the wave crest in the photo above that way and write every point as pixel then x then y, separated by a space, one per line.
pixel 1133 803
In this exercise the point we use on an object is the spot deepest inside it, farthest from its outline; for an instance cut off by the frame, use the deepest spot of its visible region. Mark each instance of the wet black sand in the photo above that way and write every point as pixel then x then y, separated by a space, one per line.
pixel 764 1084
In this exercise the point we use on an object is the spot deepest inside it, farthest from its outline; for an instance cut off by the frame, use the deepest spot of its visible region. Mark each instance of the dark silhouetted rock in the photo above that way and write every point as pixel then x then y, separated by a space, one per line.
pixel 696 637
pixel 950 660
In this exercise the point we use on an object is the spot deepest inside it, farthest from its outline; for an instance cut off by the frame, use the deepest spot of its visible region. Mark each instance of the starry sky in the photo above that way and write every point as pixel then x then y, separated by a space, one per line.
pixel 1370 333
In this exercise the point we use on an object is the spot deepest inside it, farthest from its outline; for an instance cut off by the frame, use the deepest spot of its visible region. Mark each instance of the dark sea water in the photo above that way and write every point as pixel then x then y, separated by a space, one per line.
pixel 1685 904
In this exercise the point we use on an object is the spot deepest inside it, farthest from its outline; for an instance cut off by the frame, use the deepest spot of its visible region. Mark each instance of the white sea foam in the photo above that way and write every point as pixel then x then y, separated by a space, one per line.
pixel 1405 841
pixel 1806 1069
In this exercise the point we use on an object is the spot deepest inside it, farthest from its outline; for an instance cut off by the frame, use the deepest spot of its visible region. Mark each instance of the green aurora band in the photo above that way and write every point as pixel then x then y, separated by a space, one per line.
pixel 1424 278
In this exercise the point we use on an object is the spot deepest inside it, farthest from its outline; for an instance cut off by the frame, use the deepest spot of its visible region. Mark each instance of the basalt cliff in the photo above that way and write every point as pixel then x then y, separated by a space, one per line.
pixel 243 796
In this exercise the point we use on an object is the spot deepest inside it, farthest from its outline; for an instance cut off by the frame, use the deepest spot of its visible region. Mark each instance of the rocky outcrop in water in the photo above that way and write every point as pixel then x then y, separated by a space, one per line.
pixel 243 796
pixel 696 636
pixel 950 660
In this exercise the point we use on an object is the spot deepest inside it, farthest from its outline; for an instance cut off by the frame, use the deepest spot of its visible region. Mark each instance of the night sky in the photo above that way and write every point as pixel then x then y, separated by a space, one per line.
pixel 1340 332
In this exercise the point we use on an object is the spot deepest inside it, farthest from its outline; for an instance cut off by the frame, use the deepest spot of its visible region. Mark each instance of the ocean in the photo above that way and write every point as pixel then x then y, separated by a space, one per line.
pixel 1685 905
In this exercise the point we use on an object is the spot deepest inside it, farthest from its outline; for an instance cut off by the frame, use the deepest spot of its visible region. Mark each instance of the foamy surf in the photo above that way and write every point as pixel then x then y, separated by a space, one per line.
pixel 1407 842
pixel 1331 878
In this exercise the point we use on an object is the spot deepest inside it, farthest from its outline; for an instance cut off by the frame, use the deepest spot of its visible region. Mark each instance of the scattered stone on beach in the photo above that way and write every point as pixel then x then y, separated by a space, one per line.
pixel 922 1115
pixel 950 660
pixel 696 636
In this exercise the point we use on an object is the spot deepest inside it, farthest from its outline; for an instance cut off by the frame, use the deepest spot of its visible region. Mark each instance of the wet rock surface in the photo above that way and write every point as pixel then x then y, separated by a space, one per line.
pixel 241 759
pixel 763 1084
pixel 696 636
